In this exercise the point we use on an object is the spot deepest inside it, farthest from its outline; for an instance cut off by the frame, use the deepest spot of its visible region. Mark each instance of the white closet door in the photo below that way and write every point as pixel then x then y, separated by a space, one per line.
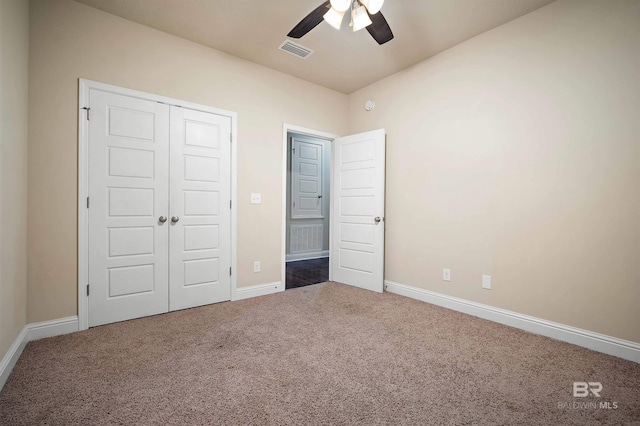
pixel 200 223
pixel 357 221
pixel 128 190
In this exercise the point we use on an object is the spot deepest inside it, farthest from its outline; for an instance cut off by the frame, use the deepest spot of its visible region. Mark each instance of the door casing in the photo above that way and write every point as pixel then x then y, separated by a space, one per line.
pixel 83 178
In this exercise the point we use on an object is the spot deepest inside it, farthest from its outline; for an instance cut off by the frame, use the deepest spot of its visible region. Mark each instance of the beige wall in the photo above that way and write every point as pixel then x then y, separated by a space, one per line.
pixel 71 41
pixel 14 50
pixel 514 154
pixel 517 154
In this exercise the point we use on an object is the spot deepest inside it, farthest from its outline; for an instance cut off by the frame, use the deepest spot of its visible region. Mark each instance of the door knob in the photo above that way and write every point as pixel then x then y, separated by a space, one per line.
pixel 377 219
pixel 162 219
pixel 319 196
pixel 174 219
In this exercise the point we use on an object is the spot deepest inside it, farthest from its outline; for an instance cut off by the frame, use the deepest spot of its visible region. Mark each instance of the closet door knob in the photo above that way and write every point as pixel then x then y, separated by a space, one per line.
pixel 174 219
pixel 162 219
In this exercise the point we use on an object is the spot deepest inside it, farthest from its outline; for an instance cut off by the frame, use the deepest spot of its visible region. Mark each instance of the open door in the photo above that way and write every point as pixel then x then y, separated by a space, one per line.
pixel 357 219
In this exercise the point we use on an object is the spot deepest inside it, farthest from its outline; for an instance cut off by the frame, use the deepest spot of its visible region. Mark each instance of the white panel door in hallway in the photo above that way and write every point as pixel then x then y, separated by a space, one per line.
pixel 158 229
pixel 306 179
pixel 357 230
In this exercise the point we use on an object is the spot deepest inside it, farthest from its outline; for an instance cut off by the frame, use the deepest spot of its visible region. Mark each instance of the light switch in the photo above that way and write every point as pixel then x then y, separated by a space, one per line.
pixel 446 274
pixel 486 282
pixel 256 198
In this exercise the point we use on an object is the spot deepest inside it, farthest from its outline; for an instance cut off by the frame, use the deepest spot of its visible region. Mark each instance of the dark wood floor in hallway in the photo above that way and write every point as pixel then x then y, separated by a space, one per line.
pixel 306 272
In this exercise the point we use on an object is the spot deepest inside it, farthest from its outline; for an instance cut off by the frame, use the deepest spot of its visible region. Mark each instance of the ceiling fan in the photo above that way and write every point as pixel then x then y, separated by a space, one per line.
pixel 364 14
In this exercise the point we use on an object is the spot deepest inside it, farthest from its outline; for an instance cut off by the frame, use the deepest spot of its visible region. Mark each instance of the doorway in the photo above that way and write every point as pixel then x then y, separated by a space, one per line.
pixel 356 188
pixel 308 207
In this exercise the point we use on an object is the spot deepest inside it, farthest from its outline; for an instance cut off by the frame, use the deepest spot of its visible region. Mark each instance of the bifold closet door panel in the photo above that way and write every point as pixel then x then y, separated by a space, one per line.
pixel 128 190
pixel 200 218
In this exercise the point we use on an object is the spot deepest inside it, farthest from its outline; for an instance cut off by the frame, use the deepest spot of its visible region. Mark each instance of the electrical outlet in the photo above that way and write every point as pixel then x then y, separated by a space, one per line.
pixel 446 274
pixel 256 198
pixel 256 266
pixel 486 282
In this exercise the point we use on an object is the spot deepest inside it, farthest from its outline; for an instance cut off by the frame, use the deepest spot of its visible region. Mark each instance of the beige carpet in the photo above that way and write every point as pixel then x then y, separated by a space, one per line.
pixel 327 354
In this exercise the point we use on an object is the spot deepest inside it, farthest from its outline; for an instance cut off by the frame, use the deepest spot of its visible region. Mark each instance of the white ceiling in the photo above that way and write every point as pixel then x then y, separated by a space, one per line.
pixel 343 60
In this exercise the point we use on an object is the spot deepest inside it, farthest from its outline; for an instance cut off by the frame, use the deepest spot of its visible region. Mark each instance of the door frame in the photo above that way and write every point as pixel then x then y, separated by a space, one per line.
pixel 83 180
pixel 292 128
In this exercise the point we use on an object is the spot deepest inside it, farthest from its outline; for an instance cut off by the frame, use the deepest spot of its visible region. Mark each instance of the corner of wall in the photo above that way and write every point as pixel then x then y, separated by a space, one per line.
pixel 14 49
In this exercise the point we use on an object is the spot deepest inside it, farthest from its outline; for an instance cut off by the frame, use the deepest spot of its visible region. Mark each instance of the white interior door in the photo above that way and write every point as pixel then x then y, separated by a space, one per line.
pixel 128 190
pixel 200 230
pixel 357 221
pixel 306 180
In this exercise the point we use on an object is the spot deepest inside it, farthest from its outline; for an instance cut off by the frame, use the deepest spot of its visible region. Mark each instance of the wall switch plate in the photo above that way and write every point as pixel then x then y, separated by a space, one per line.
pixel 486 282
pixel 256 266
pixel 446 274
pixel 256 198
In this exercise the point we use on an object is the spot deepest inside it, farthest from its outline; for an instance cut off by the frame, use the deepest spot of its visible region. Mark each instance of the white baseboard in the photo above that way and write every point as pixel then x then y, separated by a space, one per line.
pixel 34 331
pixel 40 330
pixel 306 256
pixel 598 342
pixel 11 357
pixel 257 290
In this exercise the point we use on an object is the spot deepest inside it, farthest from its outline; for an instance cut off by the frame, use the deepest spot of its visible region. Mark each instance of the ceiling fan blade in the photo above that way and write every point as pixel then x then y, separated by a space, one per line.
pixel 310 21
pixel 379 29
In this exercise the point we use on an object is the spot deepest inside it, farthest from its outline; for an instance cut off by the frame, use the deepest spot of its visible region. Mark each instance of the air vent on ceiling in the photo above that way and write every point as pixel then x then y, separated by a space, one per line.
pixel 295 49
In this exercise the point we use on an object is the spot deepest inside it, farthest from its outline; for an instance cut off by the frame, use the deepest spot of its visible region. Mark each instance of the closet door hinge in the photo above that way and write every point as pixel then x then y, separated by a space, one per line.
pixel 230 204
pixel 87 289
pixel 88 202
pixel 88 109
pixel 229 271
pixel 230 137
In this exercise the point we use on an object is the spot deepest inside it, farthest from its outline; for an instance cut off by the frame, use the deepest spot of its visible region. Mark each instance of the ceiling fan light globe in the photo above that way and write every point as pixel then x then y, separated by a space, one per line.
pixel 334 18
pixel 360 18
pixel 340 5
pixel 373 6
